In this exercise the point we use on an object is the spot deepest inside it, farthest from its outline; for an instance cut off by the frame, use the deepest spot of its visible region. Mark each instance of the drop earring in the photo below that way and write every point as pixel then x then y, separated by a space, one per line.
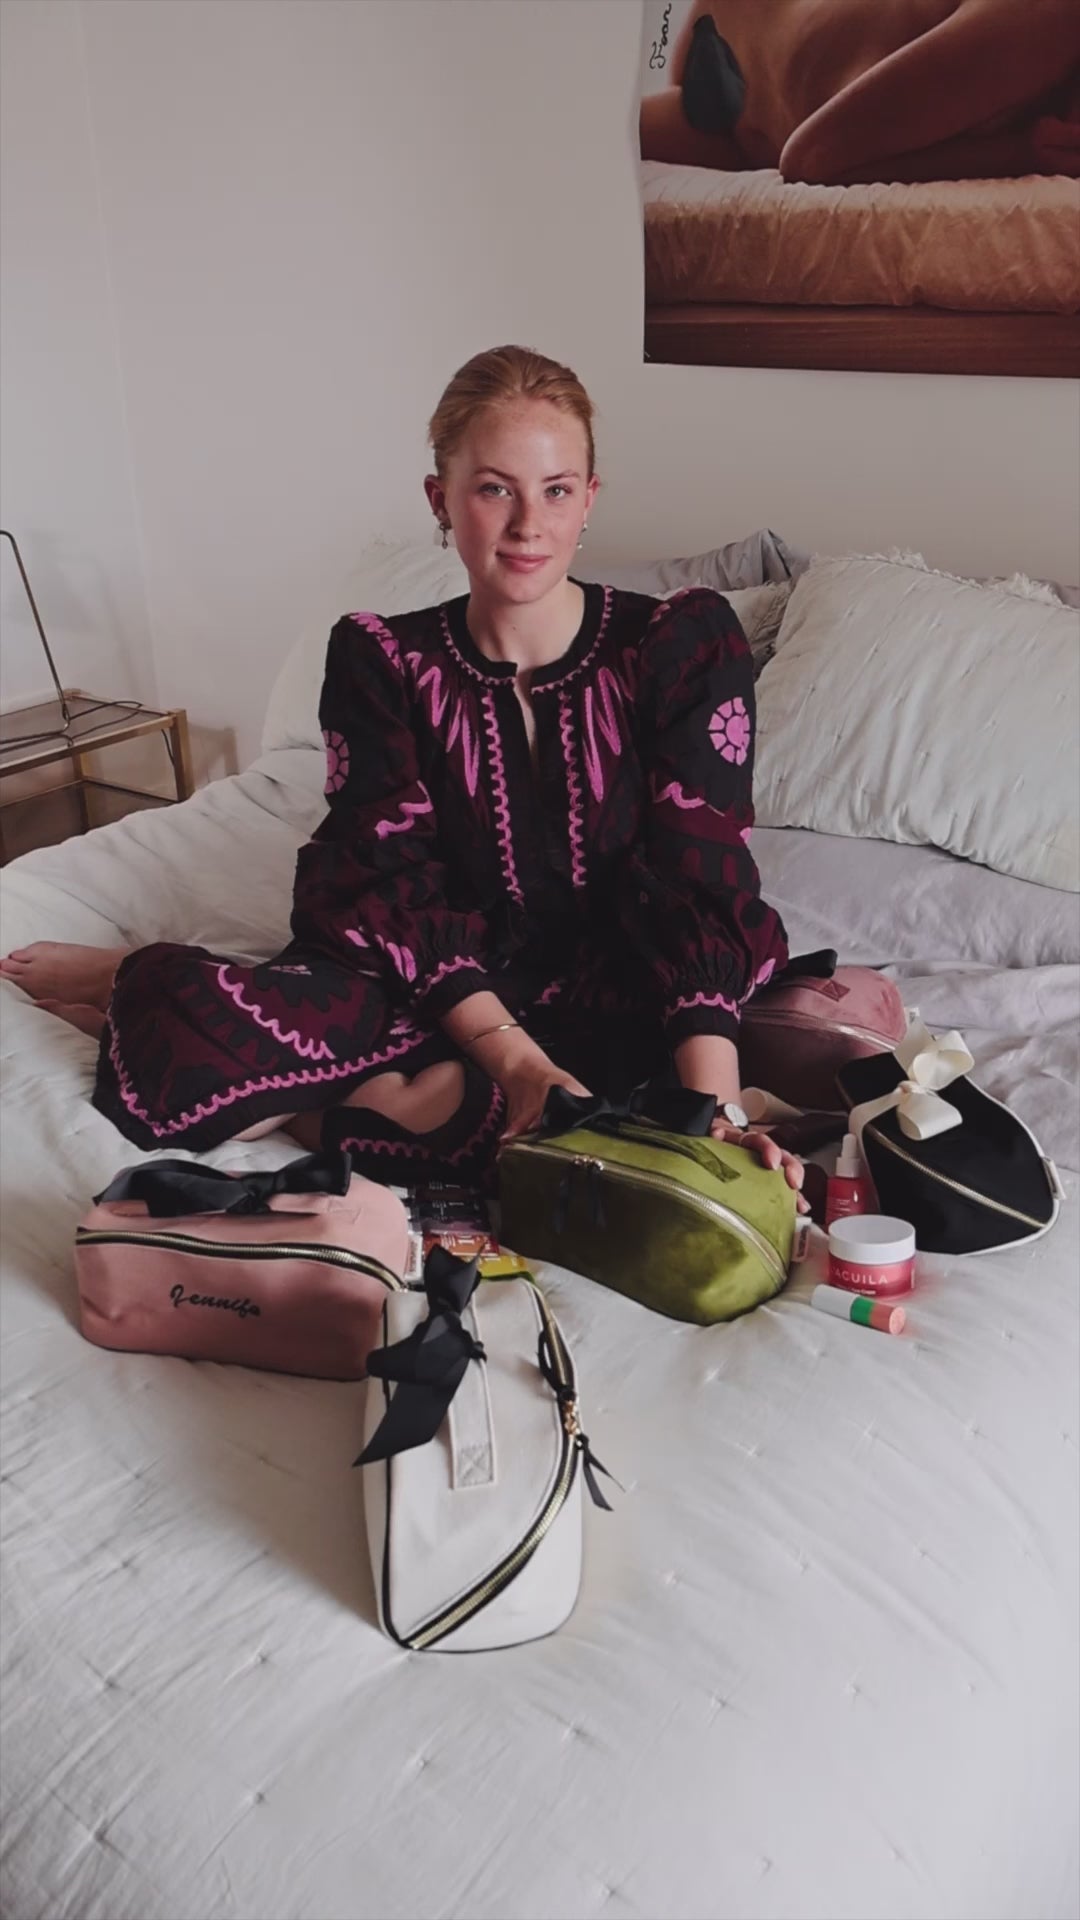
pixel 445 539
pixel 584 531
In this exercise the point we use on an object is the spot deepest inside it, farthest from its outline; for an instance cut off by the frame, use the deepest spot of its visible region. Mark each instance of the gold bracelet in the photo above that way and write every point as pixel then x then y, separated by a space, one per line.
pixel 488 1031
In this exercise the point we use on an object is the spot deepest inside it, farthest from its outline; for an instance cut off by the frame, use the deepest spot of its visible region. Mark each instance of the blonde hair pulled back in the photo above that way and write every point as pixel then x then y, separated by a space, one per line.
pixel 492 379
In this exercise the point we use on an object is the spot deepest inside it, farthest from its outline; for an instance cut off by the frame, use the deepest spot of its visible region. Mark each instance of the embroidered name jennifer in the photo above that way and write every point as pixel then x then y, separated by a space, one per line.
pixel 181 1299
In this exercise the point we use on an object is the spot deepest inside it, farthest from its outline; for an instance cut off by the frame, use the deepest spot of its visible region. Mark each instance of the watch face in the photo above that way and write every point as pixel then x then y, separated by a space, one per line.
pixel 734 1115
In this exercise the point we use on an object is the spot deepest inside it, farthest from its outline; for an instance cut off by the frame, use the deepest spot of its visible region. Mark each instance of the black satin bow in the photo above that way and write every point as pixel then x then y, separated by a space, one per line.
pixel 676 1109
pixel 176 1187
pixel 429 1364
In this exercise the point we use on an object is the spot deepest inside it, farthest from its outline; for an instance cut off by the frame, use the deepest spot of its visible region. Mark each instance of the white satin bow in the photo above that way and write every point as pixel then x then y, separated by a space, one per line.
pixel 930 1062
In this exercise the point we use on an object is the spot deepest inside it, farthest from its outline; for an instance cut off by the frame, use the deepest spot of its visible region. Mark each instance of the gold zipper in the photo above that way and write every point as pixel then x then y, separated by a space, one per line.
pixel 641 1176
pixel 776 1016
pixel 945 1180
pixel 470 1603
pixel 253 1250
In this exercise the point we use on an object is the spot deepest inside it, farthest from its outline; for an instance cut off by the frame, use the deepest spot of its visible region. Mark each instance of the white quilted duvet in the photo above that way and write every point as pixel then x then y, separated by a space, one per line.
pixel 824 1660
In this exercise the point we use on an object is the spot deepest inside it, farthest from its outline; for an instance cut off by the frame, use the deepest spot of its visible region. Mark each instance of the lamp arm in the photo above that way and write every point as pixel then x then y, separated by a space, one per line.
pixel 64 708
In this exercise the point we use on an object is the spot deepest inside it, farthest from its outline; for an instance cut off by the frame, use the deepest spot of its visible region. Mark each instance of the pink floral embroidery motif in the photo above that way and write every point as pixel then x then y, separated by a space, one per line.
pixel 411 811
pixel 502 799
pixel 305 1078
pixel 400 957
pixel 576 814
pixel 307 1049
pixel 701 1000
pixel 602 714
pixel 337 761
pixel 675 791
pixel 430 683
pixel 729 730
pixel 372 624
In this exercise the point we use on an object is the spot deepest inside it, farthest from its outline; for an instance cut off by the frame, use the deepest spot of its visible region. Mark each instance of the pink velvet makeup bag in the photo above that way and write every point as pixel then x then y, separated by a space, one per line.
pixel 287 1270
pixel 795 1037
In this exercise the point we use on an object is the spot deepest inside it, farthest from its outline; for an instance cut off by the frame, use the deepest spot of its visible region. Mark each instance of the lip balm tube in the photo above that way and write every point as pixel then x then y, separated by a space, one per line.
pixel 854 1306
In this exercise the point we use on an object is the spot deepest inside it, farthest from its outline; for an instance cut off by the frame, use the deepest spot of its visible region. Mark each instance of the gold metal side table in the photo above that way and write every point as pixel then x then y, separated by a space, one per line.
pixel 33 738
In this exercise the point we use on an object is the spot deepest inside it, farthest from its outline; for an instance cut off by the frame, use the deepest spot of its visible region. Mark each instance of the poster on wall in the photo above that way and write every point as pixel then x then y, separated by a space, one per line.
pixel 872 184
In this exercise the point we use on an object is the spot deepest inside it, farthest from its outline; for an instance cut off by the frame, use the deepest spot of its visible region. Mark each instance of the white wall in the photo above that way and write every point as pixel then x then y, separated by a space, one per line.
pixel 314 210
pixel 66 483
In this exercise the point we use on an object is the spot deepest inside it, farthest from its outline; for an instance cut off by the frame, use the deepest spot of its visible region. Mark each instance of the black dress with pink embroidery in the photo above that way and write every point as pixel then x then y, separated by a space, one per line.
pixel 602 887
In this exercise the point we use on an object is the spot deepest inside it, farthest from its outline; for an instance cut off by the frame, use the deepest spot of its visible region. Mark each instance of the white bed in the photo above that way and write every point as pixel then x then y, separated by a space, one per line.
pixel 824 1661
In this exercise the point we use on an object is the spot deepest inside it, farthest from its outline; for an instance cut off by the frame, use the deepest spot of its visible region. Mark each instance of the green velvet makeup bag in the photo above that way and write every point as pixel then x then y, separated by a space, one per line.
pixel 689 1226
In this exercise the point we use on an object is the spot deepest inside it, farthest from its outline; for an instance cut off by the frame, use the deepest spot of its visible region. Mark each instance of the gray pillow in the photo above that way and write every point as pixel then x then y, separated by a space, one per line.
pixel 754 562
pixel 757 575
pixel 760 613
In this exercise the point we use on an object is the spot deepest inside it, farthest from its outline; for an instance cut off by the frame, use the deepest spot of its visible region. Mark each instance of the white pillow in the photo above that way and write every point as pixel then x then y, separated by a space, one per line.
pixel 912 706
pixel 393 577
pixel 398 578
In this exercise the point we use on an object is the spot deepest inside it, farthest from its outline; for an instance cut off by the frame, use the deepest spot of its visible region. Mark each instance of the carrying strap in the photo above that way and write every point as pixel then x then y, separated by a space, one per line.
pixel 819 965
pixel 430 1364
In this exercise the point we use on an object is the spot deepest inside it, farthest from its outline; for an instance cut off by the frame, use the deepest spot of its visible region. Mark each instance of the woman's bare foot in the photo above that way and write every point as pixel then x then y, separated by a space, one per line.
pixel 89 1020
pixel 65 974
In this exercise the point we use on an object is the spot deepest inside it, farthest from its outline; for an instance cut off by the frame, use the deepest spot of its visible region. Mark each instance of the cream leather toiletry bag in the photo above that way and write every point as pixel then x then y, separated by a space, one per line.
pixel 473 1463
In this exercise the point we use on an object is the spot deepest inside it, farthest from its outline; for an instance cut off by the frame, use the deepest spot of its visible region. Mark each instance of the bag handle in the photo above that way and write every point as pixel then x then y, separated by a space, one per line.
pixel 691 1149
pixel 429 1364
pixel 675 1109
pixel 819 965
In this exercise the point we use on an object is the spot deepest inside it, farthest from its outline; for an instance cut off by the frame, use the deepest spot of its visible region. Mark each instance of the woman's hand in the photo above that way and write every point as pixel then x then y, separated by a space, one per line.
pixel 708 1061
pixel 488 1035
pixel 756 1140
pixel 526 1086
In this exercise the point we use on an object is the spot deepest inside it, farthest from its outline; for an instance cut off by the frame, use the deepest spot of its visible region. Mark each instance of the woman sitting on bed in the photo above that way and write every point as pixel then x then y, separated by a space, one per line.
pixel 534 870
pixel 836 92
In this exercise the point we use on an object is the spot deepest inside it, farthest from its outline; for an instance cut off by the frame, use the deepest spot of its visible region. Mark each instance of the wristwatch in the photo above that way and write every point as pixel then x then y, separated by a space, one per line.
pixel 735 1115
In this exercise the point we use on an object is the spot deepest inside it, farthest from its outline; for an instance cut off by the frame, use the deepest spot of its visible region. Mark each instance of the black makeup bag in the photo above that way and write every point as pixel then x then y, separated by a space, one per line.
pixel 965 1170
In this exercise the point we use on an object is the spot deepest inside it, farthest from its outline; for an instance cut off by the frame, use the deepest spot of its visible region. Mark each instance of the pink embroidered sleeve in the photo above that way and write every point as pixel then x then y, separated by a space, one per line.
pixel 691 897
pixel 371 886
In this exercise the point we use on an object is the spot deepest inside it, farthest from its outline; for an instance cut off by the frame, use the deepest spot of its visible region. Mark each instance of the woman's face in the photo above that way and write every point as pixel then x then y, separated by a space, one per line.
pixel 517 494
